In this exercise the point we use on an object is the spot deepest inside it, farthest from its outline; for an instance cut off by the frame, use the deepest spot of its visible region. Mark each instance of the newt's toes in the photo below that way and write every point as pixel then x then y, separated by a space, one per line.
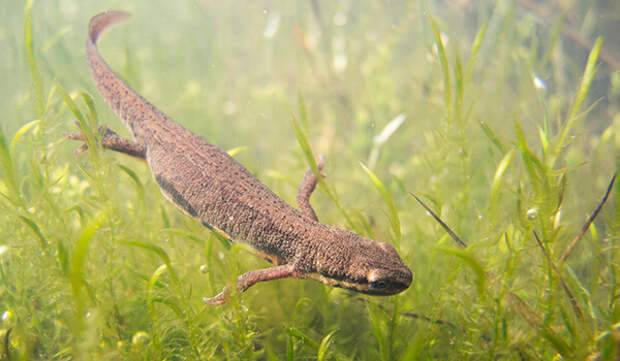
pixel 81 138
pixel 75 136
pixel 219 299
pixel 81 149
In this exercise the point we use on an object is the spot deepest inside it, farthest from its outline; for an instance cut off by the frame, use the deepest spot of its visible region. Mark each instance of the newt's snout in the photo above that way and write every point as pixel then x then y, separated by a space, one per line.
pixel 391 275
pixel 383 282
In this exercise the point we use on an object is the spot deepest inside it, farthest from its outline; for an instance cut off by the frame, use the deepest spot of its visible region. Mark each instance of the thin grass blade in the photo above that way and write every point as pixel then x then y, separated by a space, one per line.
pixel 498 177
pixel 36 230
pixel 472 262
pixel 305 339
pixel 459 84
pixel 582 92
pixel 393 215
pixel 39 102
pixel 20 133
pixel 475 48
pixel 91 138
pixel 454 236
pixel 234 151
pixel 324 346
pixel 139 186
pixel 151 289
pixel 586 81
pixel 9 170
pixel 492 137
pixel 443 60
pixel 160 252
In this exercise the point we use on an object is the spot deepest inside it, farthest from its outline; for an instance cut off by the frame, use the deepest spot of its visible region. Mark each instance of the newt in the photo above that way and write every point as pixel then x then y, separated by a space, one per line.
pixel 206 183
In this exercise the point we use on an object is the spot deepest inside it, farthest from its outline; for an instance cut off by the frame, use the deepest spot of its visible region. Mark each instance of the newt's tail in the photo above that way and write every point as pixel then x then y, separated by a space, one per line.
pixel 102 22
pixel 137 113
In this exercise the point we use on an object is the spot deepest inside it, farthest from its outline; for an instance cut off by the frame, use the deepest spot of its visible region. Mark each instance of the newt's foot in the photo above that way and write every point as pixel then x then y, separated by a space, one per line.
pixel 79 136
pixel 111 140
pixel 220 299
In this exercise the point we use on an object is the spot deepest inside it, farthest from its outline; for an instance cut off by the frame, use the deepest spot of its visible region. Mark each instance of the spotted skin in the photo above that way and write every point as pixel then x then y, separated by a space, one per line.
pixel 208 184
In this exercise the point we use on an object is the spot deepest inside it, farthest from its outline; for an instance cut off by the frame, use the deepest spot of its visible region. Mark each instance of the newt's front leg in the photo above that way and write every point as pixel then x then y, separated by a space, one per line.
pixel 307 186
pixel 248 279
pixel 111 140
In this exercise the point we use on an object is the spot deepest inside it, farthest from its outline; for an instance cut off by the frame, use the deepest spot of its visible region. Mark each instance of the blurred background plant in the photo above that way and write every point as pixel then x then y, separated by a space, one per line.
pixel 501 115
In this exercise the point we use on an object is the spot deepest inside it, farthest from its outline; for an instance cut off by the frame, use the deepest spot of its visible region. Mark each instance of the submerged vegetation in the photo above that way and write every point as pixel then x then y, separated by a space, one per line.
pixel 501 116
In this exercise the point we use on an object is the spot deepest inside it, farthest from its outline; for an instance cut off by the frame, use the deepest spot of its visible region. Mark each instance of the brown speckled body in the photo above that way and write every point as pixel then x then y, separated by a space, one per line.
pixel 207 183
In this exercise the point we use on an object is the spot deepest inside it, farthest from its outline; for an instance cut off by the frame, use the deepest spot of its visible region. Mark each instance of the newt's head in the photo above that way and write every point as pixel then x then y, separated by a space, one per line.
pixel 360 264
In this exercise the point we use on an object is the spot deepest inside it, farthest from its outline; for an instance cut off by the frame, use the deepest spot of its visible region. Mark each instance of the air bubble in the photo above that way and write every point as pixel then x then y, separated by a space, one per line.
pixel 140 338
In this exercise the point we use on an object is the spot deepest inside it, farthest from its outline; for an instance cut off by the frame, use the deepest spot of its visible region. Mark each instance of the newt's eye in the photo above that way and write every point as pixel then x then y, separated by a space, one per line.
pixel 378 285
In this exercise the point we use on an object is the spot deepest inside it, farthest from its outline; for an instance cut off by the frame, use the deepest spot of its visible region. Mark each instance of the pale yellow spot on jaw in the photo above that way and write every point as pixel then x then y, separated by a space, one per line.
pixel 373 276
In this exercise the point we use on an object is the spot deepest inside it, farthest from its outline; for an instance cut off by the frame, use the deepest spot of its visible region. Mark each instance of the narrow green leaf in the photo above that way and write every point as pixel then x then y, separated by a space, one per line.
pixel 394 218
pixel 164 217
pixel 469 260
pixel 160 252
pixel 9 170
pixel 92 112
pixel 585 295
pixel 459 84
pixel 499 174
pixel 492 137
pixel 72 107
pixel 535 168
pixel 586 81
pixel 475 48
pixel 23 130
pixel 76 208
pixel 137 182
pixel 91 137
pixel 305 339
pixel 32 64
pixel 174 306
pixel 300 306
pixel 574 113
pixel 324 346
pixel 376 330
pixel 79 254
pixel 63 258
pixel 443 60
pixel 152 282
pixel 305 147
pixel 234 151
pixel 567 321
pixel 544 141
pixel 290 348
pixel 560 346
pixel 36 230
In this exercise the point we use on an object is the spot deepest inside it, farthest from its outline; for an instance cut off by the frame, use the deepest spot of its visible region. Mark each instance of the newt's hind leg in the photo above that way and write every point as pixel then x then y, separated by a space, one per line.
pixel 249 279
pixel 307 186
pixel 111 140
